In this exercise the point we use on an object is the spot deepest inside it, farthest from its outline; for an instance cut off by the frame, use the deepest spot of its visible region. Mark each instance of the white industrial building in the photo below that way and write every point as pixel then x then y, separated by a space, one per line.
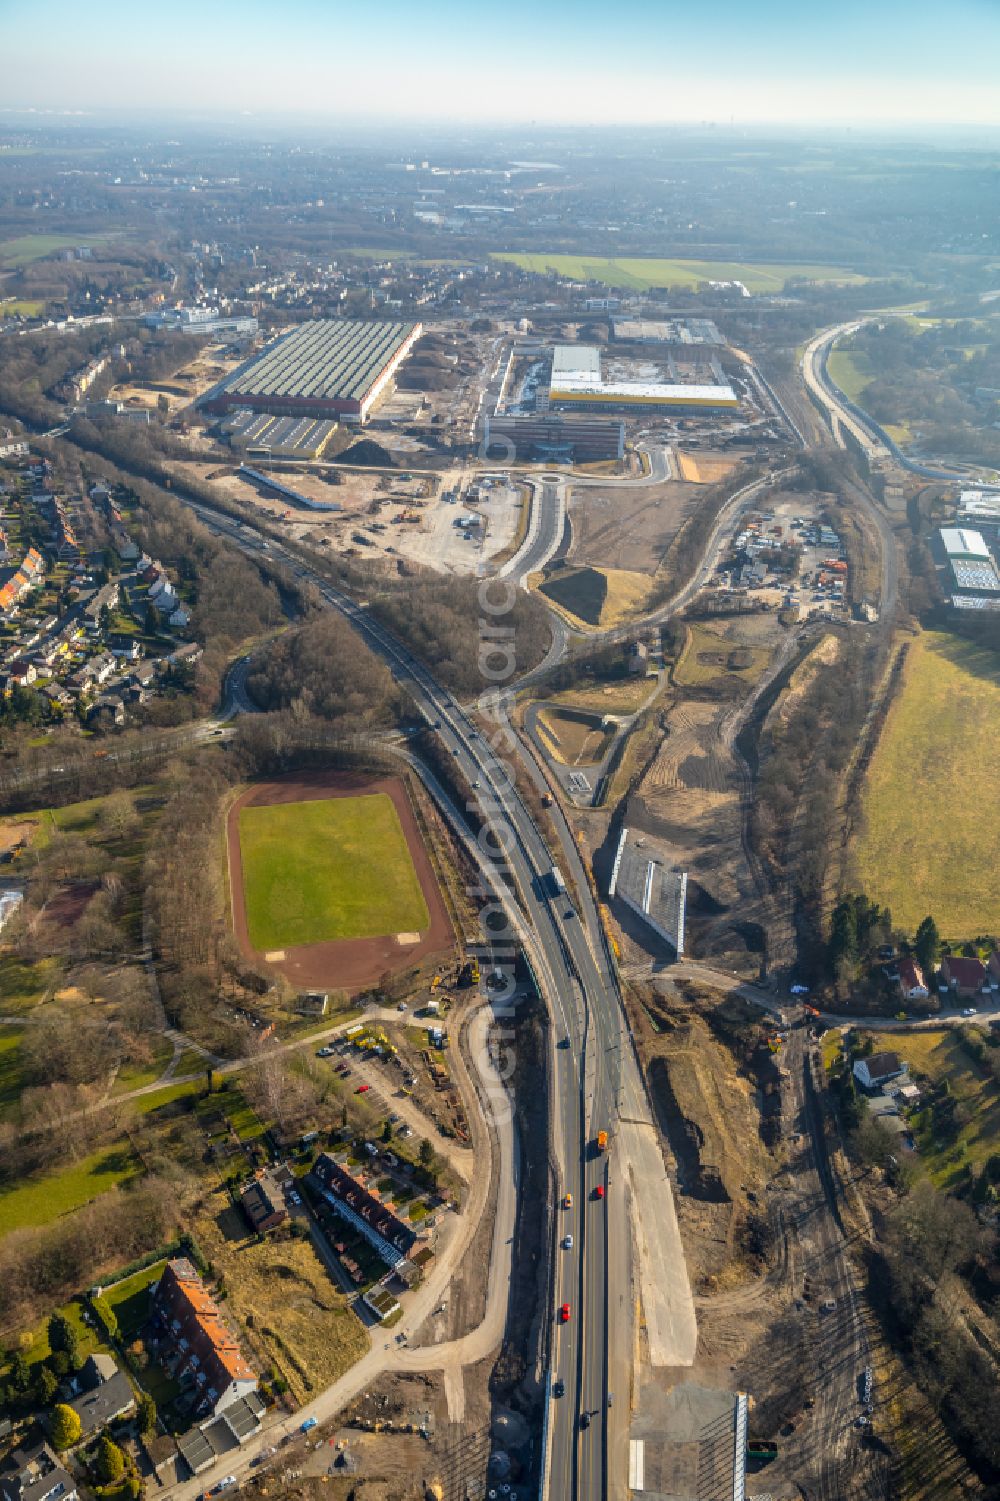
pixel 646 881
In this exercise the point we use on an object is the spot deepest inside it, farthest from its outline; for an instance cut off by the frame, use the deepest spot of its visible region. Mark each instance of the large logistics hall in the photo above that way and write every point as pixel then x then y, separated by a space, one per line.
pixel 578 383
pixel 333 367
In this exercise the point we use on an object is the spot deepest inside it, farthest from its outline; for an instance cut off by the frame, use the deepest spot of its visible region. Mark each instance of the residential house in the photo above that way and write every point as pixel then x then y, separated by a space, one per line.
pixel 206 1352
pixel 125 648
pixel 180 619
pixel 383 1230
pixel 107 1394
pixel 263 1203
pixel 35 1474
pixel 912 985
pixel 108 709
pixel 994 965
pixel 22 673
pixel 963 977
pixel 877 1069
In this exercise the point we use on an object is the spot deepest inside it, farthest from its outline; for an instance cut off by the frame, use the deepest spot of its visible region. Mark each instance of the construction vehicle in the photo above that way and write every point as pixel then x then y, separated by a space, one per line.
pixel 602 1141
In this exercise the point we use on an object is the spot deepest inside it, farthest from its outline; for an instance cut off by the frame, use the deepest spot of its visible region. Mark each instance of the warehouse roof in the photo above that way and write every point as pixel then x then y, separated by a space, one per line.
pixel 577 360
pixel 326 359
pixel 588 389
pixel 976 573
pixel 962 542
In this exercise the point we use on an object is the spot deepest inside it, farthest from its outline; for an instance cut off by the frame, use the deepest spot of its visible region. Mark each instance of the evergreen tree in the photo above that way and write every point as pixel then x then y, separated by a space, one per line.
pixel 46 1386
pixel 927 945
pixel 63 1336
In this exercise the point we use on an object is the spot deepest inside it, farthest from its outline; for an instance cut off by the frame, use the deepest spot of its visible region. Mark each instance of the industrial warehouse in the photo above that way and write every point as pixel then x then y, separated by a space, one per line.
pixel 578 382
pixel 333 367
pixel 261 436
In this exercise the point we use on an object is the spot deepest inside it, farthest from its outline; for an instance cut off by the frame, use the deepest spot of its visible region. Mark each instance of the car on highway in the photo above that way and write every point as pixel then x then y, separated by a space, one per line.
pixel 568 1201
pixel 599 1191
pixel 362 1089
pixel 585 1420
pixel 567 1243
pixel 559 1388
pixel 564 1313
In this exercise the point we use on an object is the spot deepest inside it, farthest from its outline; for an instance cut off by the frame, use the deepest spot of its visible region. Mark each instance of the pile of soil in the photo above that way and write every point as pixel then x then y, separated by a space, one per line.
pixel 367 451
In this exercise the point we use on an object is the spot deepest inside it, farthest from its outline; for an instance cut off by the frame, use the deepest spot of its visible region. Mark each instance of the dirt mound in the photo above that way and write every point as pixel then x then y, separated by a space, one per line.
pixel 367 451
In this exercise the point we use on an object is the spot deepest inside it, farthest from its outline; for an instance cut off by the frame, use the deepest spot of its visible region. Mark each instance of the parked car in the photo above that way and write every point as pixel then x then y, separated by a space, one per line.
pixel 362 1089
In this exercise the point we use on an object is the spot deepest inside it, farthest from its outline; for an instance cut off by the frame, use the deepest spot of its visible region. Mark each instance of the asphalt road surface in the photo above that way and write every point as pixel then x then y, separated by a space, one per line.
pixel 595 1077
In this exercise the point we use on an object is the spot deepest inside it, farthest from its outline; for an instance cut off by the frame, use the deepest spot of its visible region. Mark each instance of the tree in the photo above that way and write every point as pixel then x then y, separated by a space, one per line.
pixel 66 1427
pixel 927 945
pixel 147 1415
pixel 154 621
pixel 426 1153
pixel 109 1463
pixel 46 1386
pixel 387 1131
pixel 20 1373
pixel 63 1336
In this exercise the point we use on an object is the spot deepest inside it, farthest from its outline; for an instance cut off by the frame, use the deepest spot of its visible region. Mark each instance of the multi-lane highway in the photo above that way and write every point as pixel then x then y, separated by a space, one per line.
pixel 597 1085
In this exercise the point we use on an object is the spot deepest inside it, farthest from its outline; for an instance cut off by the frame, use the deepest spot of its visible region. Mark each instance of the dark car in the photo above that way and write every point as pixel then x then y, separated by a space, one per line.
pixel 559 1388
pixel 585 1420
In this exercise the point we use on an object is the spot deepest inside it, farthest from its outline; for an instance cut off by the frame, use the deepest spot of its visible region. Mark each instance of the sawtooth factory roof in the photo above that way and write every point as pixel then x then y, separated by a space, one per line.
pixel 329 359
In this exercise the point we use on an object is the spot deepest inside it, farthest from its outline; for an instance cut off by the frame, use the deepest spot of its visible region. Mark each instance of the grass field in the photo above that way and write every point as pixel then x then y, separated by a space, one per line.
pixel 925 846
pixel 709 656
pixel 20 307
pixel 39 1201
pixel 24 984
pixel 330 869
pixel 299 1321
pixel 639 274
pixel 937 1056
pixel 11 1081
pixel 28 248
pixel 851 371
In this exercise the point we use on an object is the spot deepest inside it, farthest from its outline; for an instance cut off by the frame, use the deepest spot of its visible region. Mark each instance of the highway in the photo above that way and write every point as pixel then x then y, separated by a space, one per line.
pixel 597 1084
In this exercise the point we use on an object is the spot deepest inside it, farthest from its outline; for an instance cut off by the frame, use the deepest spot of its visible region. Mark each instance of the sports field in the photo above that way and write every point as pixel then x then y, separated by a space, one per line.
pixel 325 870
pixel 639 274
pixel 926 844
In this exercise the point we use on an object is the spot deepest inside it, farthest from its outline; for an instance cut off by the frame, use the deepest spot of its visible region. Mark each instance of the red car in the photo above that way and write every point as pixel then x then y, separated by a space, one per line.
pixel 362 1089
pixel 564 1314
pixel 599 1191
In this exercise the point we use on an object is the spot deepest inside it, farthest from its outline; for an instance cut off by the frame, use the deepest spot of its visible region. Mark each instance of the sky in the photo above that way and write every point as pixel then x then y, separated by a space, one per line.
pixel 839 62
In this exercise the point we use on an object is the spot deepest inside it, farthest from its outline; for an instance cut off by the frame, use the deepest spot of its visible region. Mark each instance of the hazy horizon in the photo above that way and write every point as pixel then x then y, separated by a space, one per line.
pixel 895 64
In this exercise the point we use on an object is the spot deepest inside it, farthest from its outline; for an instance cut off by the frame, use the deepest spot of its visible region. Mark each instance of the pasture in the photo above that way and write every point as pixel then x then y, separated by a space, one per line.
pixel 924 845
pixel 640 273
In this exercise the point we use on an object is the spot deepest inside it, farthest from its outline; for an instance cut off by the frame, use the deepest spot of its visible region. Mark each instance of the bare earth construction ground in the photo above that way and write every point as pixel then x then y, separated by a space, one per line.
pixel 347 964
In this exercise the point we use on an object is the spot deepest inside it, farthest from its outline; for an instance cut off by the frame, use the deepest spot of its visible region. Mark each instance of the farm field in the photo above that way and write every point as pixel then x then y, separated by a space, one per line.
pixel 39 1201
pixel 327 869
pixel 930 787
pixel 641 273
pixel 937 1056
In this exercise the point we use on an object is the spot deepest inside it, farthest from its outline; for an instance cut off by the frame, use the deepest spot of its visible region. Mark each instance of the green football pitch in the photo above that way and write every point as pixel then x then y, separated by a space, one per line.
pixel 329 869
